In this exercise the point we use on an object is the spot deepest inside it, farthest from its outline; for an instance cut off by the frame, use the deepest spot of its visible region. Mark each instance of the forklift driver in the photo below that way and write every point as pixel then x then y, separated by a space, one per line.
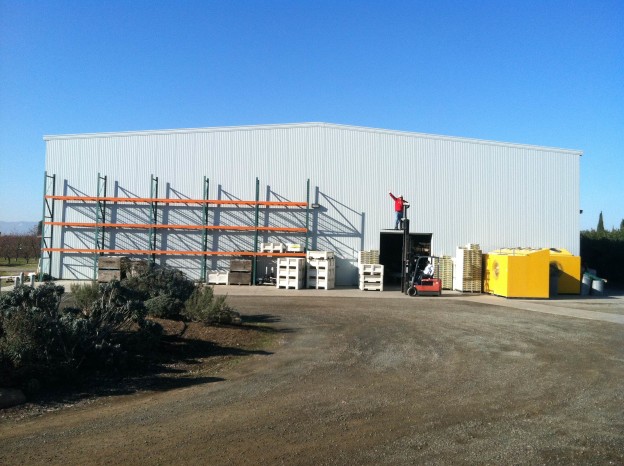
pixel 429 271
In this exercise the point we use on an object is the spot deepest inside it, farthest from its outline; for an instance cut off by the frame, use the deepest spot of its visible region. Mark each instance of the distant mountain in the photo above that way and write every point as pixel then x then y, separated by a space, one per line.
pixel 6 228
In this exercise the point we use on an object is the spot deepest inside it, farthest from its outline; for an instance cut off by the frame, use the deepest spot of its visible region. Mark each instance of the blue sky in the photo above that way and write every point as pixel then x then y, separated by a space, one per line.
pixel 535 72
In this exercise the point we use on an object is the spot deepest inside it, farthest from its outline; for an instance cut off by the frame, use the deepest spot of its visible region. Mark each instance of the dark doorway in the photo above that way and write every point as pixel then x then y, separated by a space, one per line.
pixel 391 252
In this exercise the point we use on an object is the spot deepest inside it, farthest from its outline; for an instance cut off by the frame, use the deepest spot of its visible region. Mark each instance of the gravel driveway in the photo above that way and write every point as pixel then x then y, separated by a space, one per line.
pixel 355 380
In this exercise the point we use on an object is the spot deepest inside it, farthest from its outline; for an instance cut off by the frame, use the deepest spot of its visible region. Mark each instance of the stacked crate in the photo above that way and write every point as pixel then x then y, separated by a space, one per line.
pixel 295 248
pixel 272 247
pixel 112 268
pixel 240 272
pixel 321 272
pixel 371 277
pixel 468 272
pixel 445 272
pixel 217 277
pixel 290 272
pixel 368 257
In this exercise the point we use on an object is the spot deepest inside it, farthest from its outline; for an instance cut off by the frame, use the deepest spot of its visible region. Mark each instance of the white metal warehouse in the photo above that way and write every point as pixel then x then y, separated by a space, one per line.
pixel 324 185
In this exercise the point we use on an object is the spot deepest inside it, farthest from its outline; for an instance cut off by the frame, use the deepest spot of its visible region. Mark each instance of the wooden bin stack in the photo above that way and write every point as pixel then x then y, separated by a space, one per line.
pixel 290 272
pixel 321 267
pixel 112 268
pixel 240 272
pixel 445 272
pixel 368 257
pixel 468 271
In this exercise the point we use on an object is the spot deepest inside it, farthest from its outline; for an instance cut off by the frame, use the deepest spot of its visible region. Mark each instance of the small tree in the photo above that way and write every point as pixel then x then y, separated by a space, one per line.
pixel 9 247
pixel 30 246
pixel 622 226
pixel 600 228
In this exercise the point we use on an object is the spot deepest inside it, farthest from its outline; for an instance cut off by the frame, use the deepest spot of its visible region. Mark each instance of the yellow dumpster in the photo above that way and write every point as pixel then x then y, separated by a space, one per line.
pixel 517 272
pixel 569 270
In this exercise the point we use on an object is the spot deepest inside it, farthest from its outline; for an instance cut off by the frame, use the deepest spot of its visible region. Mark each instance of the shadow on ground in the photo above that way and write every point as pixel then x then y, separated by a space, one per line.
pixel 183 359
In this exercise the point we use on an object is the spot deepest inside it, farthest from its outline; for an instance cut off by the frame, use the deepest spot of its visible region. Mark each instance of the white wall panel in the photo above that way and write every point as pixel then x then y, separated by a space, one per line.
pixel 461 190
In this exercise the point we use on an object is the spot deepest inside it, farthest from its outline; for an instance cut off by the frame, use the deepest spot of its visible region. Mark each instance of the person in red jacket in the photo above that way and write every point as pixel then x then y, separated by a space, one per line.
pixel 398 209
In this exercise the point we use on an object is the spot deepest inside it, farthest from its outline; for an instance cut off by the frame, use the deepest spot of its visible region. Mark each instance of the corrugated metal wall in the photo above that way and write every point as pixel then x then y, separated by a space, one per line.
pixel 461 190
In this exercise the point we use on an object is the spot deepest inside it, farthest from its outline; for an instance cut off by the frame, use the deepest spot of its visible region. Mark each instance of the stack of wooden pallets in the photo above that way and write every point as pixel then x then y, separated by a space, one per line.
pixel 445 272
pixel 468 269
pixel 368 257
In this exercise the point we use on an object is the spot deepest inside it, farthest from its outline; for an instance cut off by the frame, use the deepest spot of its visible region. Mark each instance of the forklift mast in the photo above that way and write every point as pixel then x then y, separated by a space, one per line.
pixel 406 248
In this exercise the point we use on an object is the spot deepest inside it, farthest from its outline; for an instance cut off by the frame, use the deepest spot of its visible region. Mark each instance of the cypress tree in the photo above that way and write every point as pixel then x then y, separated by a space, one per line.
pixel 600 227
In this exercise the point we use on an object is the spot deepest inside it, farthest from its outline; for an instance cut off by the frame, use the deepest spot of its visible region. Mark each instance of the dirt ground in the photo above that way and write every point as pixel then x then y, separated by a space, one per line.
pixel 368 381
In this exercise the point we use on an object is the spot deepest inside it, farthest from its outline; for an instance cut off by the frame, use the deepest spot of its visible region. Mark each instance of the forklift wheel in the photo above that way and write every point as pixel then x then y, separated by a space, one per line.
pixel 412 291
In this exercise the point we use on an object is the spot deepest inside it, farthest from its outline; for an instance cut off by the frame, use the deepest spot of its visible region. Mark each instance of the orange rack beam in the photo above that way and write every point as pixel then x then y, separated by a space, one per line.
pixel 176 227
pixel 177 253
pixel 175 201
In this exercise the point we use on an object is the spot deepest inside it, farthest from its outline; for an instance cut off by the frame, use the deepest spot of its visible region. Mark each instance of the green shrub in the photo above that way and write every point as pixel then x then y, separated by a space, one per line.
pixel 204 306
pixel 164 307
pixel 41 342
pixel 158 281
pixel 37 339
pixel 85 295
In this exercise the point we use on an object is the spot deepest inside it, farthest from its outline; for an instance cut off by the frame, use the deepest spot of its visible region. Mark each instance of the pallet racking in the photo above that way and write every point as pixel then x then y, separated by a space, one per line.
pixel 103 203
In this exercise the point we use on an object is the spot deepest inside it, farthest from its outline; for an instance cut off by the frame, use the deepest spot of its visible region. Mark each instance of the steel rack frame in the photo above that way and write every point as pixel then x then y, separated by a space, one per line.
pixel 100 225
pixel 47 231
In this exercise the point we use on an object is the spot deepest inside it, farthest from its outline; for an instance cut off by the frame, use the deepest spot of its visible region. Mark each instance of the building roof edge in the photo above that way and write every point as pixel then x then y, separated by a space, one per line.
pixel 306 125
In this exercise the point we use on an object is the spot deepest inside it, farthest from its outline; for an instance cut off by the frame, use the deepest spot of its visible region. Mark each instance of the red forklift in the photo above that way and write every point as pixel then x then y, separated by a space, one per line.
pixel 421 284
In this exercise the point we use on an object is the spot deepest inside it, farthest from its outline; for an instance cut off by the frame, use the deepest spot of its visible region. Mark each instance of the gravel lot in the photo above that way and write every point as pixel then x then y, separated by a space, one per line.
pixel 373 378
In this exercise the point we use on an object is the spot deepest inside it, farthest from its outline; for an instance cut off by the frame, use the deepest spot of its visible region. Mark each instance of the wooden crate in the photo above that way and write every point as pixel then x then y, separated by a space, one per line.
pixel 368 257
pixel 111 262
pixel 239 278
pixel 105 276
pixel 240 265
